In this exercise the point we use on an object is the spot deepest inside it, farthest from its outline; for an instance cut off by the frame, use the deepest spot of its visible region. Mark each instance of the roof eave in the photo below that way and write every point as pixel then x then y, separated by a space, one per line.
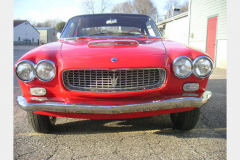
pixel 173 18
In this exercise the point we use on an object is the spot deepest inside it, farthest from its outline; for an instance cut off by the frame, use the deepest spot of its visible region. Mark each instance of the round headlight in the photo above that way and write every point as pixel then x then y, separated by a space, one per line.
pixel 202 66
pixel 182 67
pixel 25 71
pixel 45 70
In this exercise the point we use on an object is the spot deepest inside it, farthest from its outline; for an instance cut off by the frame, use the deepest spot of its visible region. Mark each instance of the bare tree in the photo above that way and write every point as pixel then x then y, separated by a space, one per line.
pixel 55 22
pixel 33 23
pixel 104 5
pixel 90 6
pixel 145 7
pixel 137 6
pixel 51 23
pixel 39 24
pixel 125 7
pixel 184 7
pixel 171 3
pixel 47 23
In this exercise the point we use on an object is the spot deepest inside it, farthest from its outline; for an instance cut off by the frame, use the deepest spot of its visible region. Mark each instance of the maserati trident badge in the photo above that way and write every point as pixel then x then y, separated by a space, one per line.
pixel 114 59
pixel 114 80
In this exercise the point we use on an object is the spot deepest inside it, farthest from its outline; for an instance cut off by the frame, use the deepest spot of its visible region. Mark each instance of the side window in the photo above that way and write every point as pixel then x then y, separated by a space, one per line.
pixel 150 29
pixel 70 28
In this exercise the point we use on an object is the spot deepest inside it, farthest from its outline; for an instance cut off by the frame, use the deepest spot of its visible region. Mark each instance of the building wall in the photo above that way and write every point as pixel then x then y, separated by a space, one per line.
pixel 43 36
pixel 177 30
pixel 52 35
pixel 200 11
pixel 48 35
pixel 25 31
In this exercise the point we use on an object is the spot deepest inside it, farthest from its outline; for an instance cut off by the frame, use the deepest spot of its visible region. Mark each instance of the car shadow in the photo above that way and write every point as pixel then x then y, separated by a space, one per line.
pixel 77 126
pixel 211 124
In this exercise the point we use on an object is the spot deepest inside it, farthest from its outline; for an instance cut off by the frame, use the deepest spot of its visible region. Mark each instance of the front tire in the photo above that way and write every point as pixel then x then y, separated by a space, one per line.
pixel 41 123
pixel 185 120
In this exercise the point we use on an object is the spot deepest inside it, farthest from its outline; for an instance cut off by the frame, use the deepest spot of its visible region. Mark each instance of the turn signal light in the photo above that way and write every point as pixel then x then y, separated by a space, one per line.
pixel 38 91
pixel 190 86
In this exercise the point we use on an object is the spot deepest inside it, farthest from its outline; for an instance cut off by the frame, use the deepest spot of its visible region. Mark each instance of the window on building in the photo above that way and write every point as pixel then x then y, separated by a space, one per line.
pixel 32 39
pixel 18 38
pixel 54 33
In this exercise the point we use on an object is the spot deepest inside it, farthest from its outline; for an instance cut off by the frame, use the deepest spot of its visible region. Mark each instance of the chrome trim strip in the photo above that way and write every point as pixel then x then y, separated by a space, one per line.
pixel 110 69
pixel 196 59
pixel 39 98
pixel 113 41
pixel 129 108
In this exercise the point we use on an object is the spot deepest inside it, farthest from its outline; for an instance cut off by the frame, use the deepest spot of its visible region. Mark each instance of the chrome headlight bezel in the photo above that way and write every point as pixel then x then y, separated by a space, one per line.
pixel 33 69
pixel 177 59
pixel 202 57
pixel 50 62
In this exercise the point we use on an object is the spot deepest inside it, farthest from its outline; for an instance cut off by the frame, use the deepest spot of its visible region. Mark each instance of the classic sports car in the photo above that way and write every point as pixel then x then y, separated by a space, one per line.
pixel 113 66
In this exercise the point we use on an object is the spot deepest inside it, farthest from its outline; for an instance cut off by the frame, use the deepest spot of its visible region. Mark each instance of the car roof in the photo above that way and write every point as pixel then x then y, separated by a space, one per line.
pixel 111 14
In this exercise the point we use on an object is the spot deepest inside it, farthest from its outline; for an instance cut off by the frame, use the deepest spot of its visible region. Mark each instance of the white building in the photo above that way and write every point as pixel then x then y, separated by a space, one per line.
pixel 203 27
pixel 25 33
pixel 47 34
pixel 208 28
pixel 170 13
pixel 176 28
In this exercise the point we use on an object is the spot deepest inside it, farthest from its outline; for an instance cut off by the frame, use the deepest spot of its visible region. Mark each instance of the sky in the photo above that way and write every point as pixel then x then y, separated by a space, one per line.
pixel 41 10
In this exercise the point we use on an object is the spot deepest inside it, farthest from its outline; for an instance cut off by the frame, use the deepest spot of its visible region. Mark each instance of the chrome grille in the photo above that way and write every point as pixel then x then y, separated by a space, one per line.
pixel 113 80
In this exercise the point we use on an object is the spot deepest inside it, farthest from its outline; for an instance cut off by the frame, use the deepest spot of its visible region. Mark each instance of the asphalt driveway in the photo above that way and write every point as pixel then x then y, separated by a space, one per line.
pixel 142 138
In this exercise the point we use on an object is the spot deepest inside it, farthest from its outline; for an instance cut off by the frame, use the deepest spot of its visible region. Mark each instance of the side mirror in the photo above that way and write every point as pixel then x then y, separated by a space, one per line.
pixel 58 35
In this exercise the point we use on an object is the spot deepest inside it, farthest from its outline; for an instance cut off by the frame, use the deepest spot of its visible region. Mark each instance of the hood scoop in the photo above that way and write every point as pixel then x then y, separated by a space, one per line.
pixel 113 43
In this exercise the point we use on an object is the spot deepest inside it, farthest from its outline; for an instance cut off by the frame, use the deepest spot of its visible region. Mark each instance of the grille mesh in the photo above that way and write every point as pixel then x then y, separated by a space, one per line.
pixel 119 80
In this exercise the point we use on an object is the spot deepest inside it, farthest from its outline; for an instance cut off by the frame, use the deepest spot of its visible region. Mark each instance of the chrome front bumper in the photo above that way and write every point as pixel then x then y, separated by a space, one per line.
pixel 98 109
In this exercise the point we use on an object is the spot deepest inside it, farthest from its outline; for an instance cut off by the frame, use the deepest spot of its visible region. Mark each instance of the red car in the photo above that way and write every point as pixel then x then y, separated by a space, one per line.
pixel 113 66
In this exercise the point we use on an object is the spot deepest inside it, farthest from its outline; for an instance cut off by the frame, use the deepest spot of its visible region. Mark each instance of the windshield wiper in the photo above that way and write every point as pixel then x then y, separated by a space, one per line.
pixel 126 33
pixel 95 34
pixel 101 33
pixel 116 34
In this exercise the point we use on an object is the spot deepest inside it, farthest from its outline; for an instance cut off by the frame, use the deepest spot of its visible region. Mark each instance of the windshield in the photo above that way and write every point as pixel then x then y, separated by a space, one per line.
pixel 110 25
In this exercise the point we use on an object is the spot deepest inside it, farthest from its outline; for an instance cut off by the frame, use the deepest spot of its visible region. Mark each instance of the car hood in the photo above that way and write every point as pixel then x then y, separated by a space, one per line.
pixel 80 47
